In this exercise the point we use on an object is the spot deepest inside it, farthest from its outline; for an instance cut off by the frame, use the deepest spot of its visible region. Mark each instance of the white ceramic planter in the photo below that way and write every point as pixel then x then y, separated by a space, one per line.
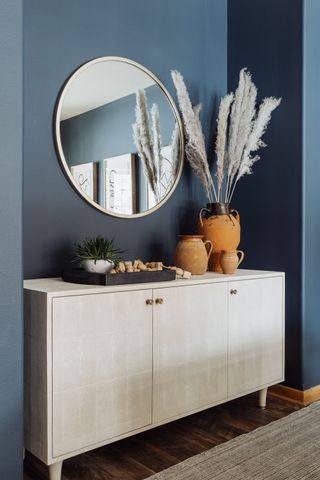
pixel 98 266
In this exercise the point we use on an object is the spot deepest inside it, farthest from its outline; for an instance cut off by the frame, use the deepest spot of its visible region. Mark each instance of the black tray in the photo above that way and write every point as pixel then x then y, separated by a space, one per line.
pixel 79 275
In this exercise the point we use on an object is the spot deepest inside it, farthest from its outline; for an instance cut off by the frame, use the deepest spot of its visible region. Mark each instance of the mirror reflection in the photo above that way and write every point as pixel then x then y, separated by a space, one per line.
pixel 119 137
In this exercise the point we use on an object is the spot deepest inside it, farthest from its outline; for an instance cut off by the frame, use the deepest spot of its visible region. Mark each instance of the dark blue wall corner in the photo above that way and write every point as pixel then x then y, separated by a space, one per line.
pixel 187 35
pixel 311 196
pixel 266 37
pixel 11 367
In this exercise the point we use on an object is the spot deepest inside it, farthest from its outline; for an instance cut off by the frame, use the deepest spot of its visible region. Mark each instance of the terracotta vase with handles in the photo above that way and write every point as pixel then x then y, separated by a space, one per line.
pixel 192 254
pixel 230 261
pixel 221 225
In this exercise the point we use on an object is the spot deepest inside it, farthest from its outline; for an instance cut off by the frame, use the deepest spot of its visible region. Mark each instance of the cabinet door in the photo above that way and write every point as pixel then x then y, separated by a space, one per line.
pixel 102 367
pixel 255 356
pixel 190 349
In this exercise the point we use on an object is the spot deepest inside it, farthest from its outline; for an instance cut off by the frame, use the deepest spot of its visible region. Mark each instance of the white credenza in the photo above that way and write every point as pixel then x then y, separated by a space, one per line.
pixel 103 363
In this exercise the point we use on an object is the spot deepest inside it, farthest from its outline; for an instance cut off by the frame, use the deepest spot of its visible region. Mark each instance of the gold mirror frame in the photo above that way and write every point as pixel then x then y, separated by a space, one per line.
pixel 58 142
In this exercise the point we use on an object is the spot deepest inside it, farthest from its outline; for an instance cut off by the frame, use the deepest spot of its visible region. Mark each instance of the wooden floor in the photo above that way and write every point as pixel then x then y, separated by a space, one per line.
pixel 142 455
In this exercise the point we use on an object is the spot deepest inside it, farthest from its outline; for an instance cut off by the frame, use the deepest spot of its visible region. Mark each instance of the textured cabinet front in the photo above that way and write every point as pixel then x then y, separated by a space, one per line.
pixel 189 349
pixel 255 356
pixel 102 367
pixel 101 364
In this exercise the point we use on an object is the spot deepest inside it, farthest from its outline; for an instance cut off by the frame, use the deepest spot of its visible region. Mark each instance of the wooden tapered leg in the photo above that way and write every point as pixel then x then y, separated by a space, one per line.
pixel 55 471
pixel 263 398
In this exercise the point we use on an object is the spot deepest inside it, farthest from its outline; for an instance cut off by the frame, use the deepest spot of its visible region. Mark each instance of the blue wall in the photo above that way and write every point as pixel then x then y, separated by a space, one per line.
pixel 278 203
pixel 11 389
pixel 188 35
pixel 311 198
pixel 266 37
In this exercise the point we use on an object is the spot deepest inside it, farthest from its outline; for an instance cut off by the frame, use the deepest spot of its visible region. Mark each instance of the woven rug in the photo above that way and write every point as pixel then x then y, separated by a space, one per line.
pixel 285 449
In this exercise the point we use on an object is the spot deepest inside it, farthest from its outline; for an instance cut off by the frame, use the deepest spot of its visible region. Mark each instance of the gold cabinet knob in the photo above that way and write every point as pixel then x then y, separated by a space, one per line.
pixel 149 301
pixel 233 291
pixel 159 301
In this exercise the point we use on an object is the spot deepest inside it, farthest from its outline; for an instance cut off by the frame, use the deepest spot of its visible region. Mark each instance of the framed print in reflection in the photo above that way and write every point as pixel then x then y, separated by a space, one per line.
pixel 167 176
pixel 120 184
pixel 85 175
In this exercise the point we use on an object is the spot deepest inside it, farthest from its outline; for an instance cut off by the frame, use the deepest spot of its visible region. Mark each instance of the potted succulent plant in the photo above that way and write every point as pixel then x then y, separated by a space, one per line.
pixel 98 255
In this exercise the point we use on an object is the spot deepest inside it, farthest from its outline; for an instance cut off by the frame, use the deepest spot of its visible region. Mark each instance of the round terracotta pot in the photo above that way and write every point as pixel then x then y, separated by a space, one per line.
pixel 221 226
pixel 192 255
pixel 230 261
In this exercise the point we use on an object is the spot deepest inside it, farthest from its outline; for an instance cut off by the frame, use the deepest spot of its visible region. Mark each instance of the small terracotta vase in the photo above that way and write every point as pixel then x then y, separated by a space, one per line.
pixel 221 225
pixel 230 261
pixel 192 255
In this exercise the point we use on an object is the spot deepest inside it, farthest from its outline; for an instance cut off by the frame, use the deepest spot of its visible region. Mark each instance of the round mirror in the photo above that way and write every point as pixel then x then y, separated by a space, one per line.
pixel 119 137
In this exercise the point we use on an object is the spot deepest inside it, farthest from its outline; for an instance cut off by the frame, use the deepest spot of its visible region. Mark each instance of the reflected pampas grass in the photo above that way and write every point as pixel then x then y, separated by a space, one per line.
pixel 143 136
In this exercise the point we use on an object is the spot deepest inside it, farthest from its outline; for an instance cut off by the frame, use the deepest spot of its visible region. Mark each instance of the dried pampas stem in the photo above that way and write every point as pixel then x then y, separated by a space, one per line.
pixel 143 140
pixel 235 118
pixel 242 124
pixel 175 145
pixel 254 141
pixel 221 139
pixel 156 145
pixel 195 146
pixel 260 125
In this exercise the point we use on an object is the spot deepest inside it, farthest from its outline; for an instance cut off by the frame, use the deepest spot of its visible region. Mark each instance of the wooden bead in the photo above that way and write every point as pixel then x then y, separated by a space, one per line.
pixel 142 267
pixel 121 267
pixel 186 275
